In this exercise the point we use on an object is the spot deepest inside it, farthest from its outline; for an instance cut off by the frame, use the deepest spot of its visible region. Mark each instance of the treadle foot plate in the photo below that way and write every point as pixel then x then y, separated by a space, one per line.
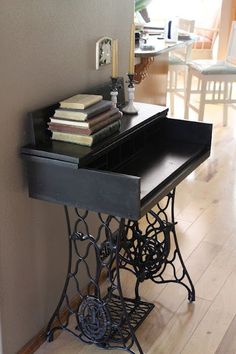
pixel 137 312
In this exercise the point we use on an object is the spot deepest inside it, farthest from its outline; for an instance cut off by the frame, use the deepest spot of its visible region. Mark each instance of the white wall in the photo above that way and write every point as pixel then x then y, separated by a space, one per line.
pixel 47 53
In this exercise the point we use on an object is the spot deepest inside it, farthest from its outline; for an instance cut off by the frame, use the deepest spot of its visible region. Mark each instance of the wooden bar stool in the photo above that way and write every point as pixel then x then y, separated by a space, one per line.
pixel 215 81
pixel 178 64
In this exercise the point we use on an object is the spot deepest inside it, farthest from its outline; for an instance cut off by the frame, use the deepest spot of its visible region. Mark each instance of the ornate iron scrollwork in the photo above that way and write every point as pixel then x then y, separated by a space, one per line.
pixel 148 252
pixel 94 319
pixel 155 251
pixel 141 69
pixel 103 316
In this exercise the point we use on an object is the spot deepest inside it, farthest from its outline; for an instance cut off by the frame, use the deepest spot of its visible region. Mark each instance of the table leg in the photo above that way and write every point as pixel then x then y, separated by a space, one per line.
pixel 100 313
pixel 153 251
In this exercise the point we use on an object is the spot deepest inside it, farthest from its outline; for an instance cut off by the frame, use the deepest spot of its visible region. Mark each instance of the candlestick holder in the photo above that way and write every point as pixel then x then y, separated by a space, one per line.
pixel 130 108
pixel 114 91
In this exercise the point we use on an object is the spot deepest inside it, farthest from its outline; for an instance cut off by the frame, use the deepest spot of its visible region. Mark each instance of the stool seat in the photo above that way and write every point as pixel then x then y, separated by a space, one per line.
pixel 213 67
pixel 174 60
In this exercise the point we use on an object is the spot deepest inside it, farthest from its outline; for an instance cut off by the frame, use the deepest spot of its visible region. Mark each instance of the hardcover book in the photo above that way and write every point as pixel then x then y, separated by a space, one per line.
pixel 83 114
pixel 80 101
pixel 87 140
pixel 87 123
pixel 65 128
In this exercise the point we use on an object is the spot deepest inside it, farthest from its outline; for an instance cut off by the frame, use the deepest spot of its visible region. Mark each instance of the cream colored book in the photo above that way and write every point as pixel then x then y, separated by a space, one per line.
pixel 80 101
pixel 83 114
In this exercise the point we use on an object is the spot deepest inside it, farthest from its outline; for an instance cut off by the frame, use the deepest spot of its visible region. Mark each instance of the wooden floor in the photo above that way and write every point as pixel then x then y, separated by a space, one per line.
pixel 206 215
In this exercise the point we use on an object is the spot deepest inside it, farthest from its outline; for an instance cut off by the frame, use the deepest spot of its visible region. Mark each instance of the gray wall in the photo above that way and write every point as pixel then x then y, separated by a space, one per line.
pixel 47 53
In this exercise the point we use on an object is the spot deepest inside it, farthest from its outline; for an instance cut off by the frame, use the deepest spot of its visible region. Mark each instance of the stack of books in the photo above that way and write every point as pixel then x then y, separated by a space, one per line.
pixel 84 119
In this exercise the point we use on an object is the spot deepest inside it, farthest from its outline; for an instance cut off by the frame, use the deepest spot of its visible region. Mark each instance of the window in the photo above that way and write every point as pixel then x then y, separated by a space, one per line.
pixel 204 12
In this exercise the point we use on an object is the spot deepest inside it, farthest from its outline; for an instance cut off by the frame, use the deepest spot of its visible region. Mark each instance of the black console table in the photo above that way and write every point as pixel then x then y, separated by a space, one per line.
pixel 130 175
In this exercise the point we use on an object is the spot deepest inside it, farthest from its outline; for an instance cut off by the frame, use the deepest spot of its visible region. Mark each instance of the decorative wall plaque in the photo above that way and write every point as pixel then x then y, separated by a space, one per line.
pixel 103 51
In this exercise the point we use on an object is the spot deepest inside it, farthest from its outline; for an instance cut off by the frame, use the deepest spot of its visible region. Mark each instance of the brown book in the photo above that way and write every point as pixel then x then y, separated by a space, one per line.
pixel 88 123
pixel 65 128
pixel 87 140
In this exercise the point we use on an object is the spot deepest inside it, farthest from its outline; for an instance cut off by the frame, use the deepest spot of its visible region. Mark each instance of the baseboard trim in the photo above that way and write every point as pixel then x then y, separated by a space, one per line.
pixel 41 337
pixel 34 344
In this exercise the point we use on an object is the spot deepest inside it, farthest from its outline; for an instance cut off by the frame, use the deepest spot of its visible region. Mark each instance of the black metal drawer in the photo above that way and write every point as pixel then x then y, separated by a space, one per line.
pixel 130 185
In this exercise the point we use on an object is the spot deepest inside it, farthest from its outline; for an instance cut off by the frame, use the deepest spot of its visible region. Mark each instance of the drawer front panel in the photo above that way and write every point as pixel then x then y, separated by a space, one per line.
pixel 99 191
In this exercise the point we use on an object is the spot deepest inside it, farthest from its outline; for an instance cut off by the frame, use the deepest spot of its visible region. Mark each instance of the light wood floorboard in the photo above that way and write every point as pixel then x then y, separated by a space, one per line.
pixel 228 343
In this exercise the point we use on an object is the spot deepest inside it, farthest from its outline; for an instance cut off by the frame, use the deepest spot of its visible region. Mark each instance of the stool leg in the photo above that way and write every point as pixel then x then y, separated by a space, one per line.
pixel 202 101
pixel 185 79
pixel 172 96
pixel 187 94
pixel 225 107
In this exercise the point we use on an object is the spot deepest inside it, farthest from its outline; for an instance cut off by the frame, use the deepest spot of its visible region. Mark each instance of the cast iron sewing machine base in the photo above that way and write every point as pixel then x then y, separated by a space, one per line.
pixel 101 314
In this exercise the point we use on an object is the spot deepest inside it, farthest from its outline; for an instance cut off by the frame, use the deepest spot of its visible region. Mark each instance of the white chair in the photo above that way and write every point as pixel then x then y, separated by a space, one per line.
pixel 178 60
pixel 204 46
pixel 214 81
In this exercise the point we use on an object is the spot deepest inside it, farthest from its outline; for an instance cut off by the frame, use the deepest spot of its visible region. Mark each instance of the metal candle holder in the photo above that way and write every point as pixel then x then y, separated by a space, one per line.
pixel 129 108
pixel 114 91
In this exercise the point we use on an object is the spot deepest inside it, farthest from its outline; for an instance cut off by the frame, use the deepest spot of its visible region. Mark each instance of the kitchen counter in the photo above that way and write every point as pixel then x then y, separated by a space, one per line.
pixel 151 68
pixel 160 46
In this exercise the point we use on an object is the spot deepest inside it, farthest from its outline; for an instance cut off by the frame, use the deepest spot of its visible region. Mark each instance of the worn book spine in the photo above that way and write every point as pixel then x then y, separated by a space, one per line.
pixel 87 140
pixel 83 114
pixel 55 127
pixel 87 123
pixel 80 101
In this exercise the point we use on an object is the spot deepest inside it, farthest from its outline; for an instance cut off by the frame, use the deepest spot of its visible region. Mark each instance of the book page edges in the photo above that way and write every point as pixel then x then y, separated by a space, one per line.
pixel 85 139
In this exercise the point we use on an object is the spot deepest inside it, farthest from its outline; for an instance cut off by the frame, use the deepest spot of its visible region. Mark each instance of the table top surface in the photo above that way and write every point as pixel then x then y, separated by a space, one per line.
pixel 75 153
pixel 156 45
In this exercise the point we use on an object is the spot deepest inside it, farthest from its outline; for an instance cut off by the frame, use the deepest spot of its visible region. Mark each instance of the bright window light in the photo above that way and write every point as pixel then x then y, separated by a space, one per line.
pixel 204 12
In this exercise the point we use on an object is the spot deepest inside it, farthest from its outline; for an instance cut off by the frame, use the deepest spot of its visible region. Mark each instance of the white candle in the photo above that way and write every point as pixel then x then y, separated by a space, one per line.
pixel 114 58
pixel 131 51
